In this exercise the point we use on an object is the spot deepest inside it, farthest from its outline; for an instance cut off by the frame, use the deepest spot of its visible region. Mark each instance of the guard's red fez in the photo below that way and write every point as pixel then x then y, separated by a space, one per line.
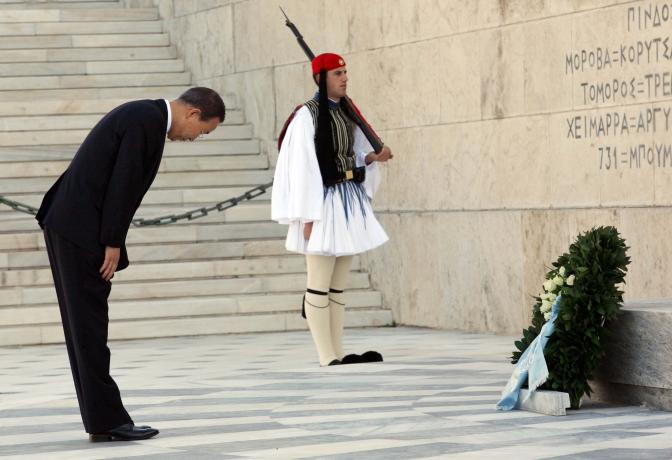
pixel 327 61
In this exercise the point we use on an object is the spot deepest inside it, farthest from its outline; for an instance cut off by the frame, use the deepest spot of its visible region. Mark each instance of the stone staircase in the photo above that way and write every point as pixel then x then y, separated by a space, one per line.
pixel 63 64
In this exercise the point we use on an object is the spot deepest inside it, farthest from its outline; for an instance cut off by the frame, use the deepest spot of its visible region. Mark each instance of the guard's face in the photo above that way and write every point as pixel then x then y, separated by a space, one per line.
pixel 190 126
pixel 337 82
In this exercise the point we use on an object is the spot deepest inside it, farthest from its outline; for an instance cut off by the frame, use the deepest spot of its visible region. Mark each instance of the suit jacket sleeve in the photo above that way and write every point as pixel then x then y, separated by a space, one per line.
pixel 128 182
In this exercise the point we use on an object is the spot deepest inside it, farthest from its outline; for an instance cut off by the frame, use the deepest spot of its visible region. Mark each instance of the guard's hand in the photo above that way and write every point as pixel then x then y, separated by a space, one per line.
pixel 307 230
pixel 385 154
pixel 110 264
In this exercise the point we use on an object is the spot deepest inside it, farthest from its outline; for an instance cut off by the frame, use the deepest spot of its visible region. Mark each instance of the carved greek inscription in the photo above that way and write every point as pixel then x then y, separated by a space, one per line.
pixel 625 91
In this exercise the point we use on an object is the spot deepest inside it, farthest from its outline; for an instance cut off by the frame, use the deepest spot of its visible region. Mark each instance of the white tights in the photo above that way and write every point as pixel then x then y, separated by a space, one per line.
pixel 325 303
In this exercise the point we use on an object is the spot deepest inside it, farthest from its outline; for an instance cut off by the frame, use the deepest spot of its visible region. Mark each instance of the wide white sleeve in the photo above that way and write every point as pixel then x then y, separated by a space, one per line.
pixel 298 194
pixel 362 147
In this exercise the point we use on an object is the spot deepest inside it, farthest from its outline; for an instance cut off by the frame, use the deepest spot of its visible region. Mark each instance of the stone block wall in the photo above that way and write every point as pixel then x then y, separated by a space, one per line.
pixel 516 125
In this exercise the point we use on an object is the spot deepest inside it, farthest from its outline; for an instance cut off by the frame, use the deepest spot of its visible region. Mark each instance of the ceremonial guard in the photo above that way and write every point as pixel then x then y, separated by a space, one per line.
pixel 325 178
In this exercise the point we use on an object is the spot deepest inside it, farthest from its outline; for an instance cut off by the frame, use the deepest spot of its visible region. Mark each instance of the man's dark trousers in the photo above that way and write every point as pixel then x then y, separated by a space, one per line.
pixel 82 297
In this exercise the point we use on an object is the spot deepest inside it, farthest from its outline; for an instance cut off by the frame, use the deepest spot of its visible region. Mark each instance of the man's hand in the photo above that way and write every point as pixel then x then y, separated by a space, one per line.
pixel 110 264
pixel 384 155
pixel 307 230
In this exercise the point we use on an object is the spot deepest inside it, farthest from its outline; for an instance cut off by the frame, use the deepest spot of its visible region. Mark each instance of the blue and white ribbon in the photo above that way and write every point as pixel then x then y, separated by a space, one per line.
pixel 531 366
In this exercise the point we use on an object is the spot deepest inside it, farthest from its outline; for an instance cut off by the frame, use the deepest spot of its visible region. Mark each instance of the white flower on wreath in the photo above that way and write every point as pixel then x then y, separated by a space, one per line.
pixel 570 280
pixel 549 285
pixel 547 316
pixel 558 281
pixel 562 271
pixel 545 306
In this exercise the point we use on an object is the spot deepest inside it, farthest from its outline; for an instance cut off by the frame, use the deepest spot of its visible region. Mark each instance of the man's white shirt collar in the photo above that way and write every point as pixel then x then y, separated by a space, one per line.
pixel 170 116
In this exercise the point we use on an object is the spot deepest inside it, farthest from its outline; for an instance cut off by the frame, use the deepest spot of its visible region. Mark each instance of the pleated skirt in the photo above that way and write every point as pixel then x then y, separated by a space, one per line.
pixel 348 225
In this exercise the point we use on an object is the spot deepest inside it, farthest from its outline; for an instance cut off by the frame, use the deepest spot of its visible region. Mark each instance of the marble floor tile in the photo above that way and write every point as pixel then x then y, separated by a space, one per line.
pixel 263 396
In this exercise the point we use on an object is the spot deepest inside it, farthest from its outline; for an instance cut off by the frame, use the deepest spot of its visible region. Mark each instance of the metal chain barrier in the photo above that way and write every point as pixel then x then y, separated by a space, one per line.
pixel 202 212
pixel 168 219
pixel 15 205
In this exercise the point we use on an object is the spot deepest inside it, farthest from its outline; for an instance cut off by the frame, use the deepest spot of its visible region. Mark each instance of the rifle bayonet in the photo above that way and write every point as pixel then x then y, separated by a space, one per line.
pixel 299 38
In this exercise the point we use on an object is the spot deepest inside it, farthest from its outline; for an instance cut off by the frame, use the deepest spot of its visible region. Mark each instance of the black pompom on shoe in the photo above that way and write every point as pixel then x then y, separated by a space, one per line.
pixel 351 359
pixel 335 362
pixel 372 357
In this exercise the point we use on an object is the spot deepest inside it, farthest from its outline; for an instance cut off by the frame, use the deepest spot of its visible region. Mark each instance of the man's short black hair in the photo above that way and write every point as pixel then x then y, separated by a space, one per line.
pixel 206 100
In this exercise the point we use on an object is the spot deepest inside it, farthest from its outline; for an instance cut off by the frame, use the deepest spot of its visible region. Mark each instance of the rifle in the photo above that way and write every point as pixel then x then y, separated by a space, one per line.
pixel 353 111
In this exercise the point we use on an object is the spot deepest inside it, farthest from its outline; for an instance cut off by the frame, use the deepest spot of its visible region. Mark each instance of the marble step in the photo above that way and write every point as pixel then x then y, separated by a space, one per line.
pixel 257 212
pixel 186 307
pixel 198 148
pixel 228 130
pixel 83 41
pixel 177 270
pixel 206 163
pixel 189 197
pixel 250 211
pixel 40 2
pixel 80 28
pixel 215 143
pixel 245 178
pixel 125 92
pixel 67 136
pixel 203 195
pixel 34 69
pixel 183 232
pixel 164 252
pixel 37 3
pixel 56 5
pixel 10 15
pixel 176 327
pixel 80 107
pixel 295 282
pixel 88 54
pixel 95 81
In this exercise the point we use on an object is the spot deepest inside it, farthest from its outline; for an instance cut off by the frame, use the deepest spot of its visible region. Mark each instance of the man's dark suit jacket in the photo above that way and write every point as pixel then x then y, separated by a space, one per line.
pixel 93 202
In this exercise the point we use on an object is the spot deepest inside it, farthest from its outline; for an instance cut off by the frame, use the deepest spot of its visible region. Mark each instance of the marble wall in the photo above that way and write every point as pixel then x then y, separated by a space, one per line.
pixel 516 125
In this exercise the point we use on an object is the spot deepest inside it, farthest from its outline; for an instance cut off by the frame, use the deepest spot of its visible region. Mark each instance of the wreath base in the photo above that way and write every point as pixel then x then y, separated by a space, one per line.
pixel 546 402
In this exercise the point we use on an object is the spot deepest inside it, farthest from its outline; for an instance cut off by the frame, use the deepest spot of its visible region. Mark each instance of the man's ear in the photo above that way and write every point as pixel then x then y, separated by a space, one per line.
pixel 193 111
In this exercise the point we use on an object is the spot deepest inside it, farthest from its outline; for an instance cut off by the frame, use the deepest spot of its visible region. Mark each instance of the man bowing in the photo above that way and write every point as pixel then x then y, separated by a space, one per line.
pixel 85 217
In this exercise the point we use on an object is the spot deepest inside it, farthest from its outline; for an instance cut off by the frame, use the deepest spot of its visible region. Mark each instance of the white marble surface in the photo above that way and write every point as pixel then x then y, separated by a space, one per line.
pixel 263 396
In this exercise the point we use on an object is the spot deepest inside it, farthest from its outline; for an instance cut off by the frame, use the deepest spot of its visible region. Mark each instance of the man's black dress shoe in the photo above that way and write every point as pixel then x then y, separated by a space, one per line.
pixel 351 359
pixel 372 357
pixel 126 432
pixel 335 362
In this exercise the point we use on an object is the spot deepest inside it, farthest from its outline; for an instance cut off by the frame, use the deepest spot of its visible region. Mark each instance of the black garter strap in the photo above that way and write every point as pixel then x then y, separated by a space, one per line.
pixel 305 301
pixel 336 291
